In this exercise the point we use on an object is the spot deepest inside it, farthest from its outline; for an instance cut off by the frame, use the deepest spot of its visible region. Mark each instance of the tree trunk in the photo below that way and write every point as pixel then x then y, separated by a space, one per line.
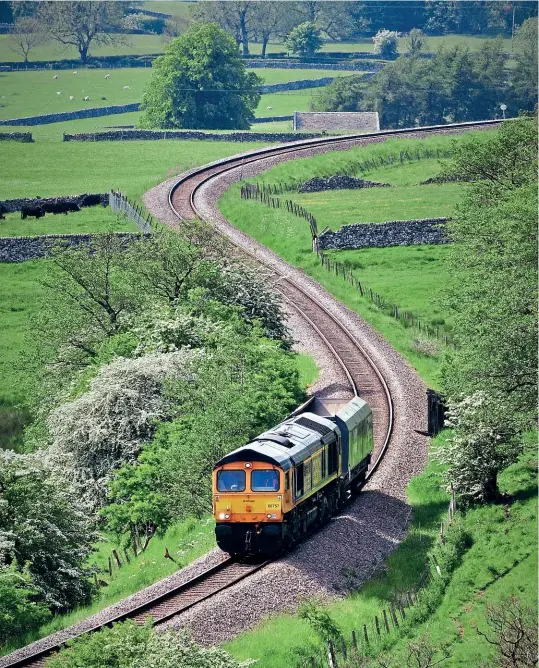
pixel 244 35
pixel 264 45
pixel 490 488
pixel 83 51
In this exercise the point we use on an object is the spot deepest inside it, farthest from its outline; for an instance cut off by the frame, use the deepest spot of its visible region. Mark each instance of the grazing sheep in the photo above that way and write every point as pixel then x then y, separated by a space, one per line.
pixel 58 92
pixel 269 108
pixel 127 87
pixel 75 72
pixel 71 97
pixel 107 76
pixel 86 98
pixel 55 76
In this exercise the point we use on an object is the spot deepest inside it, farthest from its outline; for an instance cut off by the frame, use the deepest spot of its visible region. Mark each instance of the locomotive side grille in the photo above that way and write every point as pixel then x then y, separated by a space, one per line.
pixel 314 426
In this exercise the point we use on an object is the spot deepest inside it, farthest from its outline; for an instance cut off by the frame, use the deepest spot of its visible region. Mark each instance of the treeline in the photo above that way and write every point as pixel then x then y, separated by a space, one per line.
pixel 455 85
pixel 247 21
pixel 154 361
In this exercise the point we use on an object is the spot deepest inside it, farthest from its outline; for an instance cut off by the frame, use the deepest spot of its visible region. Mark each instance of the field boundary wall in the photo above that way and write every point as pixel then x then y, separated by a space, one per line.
pixel 21 249
pixel 126 135
pixel 14 205
pixel 413 232
pixel 25 137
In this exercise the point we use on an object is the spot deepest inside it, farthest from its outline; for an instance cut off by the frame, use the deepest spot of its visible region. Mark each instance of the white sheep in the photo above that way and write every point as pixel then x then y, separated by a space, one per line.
pixel 107 76
pixel 71 97
pixel 127 87
pixel 55 76
pixel 58 92
pixel 75 72
pixel 86 98
pixel 269 108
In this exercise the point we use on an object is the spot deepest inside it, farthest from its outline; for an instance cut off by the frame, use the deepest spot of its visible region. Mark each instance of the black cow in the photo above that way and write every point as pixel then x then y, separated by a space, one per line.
pixel 35 211
pixel 90 200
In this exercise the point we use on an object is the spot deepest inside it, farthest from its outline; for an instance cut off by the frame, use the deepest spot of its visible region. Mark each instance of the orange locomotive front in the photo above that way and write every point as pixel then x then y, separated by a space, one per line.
pixel 249 503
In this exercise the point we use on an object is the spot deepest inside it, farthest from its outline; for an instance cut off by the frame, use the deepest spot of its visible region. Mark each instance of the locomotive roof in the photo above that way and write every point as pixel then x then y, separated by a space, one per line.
pixel 288 444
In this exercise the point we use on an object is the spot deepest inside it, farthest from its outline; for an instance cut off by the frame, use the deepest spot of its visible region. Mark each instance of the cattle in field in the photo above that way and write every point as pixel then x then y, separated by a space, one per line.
pixel 32 211
pixel 90 200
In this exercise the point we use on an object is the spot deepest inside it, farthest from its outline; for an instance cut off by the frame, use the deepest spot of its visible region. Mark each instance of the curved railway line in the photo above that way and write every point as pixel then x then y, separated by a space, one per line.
pixel 364 379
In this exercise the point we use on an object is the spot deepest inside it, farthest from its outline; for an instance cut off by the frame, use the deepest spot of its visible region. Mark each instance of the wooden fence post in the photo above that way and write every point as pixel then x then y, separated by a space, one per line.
pixel 354 641
pixel 110 567
pixel 126 553
pixel 116 558
pixel 386 623
pixel 394 616
pixel 331 655
pixel 377 625
pixel 365 633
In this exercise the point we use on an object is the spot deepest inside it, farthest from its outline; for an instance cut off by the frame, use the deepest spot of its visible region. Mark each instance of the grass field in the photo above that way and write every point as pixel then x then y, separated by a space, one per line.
pixel 143 44
pixel 179 8
pixel 501 561
pixel 377 205
pixel 36 92
pixel 90 219
pixel 55 168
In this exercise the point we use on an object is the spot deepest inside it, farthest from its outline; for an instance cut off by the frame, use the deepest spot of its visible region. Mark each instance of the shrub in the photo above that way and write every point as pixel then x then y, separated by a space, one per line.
pixel 386 44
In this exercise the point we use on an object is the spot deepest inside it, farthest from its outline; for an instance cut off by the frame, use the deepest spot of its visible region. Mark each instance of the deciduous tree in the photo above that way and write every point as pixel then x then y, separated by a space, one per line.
pixel 25 35
pixel 201 82
pixel 305 39
pixel 80 24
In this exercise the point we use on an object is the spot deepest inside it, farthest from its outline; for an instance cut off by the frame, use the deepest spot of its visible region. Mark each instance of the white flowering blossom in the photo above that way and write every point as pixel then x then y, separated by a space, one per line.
pixel 105 427
pixel 386 43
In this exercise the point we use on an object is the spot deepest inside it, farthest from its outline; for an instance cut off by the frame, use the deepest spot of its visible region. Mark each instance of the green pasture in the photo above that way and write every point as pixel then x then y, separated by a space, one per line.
pixel 62 168
pixel 178 8
pixel 89 219
pixel 286 103
pixel 133 45
pixel 38 92
pixel 501 560
pixel 149 44
pixel 377 205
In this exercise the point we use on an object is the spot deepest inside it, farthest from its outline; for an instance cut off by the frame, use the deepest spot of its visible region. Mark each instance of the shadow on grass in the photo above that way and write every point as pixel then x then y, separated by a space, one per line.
pixel 13 419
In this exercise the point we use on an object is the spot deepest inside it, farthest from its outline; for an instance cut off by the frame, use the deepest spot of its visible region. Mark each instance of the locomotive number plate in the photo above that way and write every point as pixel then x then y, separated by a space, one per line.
pixel 273 505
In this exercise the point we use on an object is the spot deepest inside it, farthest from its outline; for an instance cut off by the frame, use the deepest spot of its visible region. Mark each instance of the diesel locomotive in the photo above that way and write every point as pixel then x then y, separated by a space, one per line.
pixel 269 493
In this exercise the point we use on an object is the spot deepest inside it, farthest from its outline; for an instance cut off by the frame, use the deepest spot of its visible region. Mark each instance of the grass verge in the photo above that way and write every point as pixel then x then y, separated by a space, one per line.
pixel 89 219
pixel 500 560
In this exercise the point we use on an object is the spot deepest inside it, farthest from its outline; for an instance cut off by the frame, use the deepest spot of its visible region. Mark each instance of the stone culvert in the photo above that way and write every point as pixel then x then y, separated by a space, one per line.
pixel 338 182
pixel 382 235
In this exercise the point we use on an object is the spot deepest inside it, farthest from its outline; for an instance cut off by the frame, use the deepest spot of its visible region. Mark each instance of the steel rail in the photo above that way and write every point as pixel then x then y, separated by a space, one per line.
pixel 143 610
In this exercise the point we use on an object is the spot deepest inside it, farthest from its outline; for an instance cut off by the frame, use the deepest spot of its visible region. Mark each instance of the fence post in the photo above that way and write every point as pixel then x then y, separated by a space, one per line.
pixel 394 616
pixel 110 567
pixel 331 655
pixel 365 633
pixel 386 623
pixel 116 558
pixel 343 649
pixel 354 641
pixel 377 625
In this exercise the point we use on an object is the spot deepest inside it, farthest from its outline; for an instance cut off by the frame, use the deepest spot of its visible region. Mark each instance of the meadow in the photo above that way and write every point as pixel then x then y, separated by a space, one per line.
pixel 151 44
pixel 377 205
pixel 89 219
pixel 37 92
pixel 500 560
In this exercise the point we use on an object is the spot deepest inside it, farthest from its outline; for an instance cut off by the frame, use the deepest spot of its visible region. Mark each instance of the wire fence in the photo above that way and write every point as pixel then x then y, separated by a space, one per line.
pixel 266 195
pixel 133 211
pixel 368 638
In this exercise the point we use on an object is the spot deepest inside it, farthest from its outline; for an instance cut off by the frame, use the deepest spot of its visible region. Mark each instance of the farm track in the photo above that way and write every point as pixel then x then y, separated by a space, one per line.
pixel 364 377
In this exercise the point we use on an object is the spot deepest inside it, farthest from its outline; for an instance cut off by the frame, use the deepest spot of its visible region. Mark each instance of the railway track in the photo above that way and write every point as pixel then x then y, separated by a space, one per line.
pixel 364 378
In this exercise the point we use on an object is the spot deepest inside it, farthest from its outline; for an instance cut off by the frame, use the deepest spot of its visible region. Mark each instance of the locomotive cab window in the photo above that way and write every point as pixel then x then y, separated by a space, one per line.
pixel 266 480
pixel 230 481
pixel 333 458
pixel 299 481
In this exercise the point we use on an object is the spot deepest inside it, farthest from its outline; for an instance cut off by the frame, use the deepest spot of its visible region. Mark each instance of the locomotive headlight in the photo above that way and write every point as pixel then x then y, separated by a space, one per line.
pixel 222 516
pixel 268 516
pixel 247 465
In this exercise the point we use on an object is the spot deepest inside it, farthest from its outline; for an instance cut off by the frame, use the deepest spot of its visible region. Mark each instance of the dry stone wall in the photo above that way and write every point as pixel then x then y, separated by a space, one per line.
pixel 126 135
pixel 72 115
pixel 21 249
pixel 86 199
pixel 337 120
pixel 25 137
pixel 338 182
pixel 382 235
